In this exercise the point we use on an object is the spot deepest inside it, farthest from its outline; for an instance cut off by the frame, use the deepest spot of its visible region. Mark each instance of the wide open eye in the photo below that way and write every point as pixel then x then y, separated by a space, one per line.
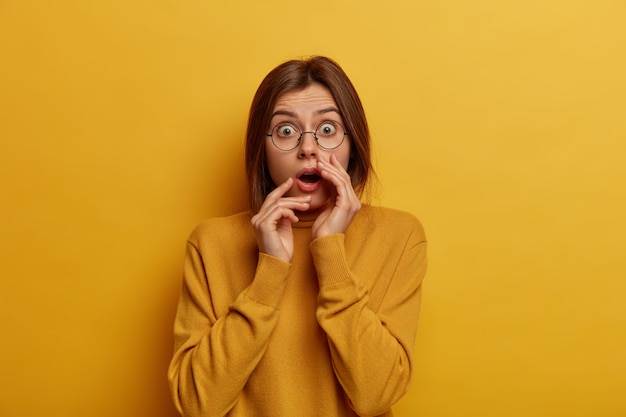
pixel 327 129
pixel 286 131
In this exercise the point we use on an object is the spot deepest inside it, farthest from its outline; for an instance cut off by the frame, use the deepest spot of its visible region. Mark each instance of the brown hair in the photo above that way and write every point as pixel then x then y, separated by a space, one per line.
pixel 296 75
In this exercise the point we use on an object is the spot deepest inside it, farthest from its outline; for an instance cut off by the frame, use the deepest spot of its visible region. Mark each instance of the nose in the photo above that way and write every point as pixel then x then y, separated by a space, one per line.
pixel 308 145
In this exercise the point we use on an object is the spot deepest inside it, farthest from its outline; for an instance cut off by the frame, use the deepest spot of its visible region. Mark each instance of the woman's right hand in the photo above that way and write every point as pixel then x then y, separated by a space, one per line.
pixel 272 224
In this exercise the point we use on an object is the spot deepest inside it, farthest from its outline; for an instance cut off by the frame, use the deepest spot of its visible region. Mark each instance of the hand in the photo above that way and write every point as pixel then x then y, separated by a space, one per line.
pixel 344 203
pixel 272 224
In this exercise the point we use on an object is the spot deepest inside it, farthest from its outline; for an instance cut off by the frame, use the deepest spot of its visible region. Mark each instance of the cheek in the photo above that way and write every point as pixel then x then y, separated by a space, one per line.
pixel 345 162
pixel 275 166
pixel 344 155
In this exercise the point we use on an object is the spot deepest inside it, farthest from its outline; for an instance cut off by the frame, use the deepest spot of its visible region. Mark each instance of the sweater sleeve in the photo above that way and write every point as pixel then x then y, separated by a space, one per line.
pixel 214 356
pixel 371 350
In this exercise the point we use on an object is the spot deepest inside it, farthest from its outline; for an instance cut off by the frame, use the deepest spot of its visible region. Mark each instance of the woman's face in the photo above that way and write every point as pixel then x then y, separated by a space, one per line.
pixel 306 110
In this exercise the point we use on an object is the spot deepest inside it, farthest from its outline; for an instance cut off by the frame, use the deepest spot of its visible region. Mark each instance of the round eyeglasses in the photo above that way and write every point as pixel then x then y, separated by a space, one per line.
pixel 328 135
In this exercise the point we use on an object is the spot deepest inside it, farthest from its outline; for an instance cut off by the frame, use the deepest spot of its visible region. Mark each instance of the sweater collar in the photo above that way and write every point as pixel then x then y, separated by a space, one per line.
pixel 307 218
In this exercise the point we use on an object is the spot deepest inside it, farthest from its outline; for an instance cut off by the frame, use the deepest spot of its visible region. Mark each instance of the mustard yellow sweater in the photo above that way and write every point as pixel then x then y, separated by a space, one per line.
pixel 330 334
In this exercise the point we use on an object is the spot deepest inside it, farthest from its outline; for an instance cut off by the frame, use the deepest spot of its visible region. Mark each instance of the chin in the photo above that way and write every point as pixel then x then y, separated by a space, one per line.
pixel 319 197
pixel 319 202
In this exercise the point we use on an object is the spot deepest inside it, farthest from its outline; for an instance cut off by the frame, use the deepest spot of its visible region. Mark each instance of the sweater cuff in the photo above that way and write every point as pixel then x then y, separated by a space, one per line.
pixel 269 281
pixel 329 256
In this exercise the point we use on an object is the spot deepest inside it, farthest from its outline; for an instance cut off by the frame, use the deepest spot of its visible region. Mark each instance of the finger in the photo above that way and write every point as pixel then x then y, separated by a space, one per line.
pixel 278 193
pixel 284 207
pixel 334 159
pixel 334 172
pixel 280 190
pixel 293 203
pixel 345 196
pixel 269 220
pixel 281 206
pixel 334 165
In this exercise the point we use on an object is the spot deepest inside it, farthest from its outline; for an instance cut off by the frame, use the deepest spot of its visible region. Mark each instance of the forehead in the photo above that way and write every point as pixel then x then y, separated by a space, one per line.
pixel 309 99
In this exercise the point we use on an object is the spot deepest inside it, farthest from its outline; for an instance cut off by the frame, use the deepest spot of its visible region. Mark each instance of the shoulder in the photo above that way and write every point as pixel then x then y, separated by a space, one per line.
pixel 390 221
pixel 220 229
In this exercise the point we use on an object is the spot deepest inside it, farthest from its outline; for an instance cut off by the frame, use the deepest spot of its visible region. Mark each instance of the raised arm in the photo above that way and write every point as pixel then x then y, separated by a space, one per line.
pixel 214 356
pixel 371 350
pixel 216 353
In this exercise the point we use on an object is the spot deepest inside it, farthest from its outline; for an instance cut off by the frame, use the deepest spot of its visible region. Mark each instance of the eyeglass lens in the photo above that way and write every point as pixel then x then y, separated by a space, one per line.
pixel 329 135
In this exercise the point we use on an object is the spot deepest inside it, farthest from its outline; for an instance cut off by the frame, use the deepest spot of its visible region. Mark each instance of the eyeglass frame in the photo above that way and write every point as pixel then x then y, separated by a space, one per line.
pixel 317 142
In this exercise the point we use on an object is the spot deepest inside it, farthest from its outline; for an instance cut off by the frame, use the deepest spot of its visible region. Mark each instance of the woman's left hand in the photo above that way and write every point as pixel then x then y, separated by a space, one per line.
pixel 344 203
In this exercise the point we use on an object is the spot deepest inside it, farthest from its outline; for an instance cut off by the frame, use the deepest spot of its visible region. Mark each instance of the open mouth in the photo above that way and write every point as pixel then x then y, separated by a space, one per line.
pixel 309 178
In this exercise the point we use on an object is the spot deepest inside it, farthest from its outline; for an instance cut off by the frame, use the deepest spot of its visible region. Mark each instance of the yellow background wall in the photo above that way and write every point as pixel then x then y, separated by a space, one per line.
pixel 501 124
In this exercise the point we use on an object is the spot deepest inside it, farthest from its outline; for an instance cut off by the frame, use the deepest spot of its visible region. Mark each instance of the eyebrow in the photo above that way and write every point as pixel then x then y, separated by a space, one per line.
pixel 292 114
pixel 328 110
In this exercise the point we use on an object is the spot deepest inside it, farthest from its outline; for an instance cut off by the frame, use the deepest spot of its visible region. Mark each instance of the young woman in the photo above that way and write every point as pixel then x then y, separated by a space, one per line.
pixel 308 304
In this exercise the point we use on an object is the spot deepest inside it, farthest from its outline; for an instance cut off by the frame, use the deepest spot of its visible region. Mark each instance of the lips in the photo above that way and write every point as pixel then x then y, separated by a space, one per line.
pixel 308 180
